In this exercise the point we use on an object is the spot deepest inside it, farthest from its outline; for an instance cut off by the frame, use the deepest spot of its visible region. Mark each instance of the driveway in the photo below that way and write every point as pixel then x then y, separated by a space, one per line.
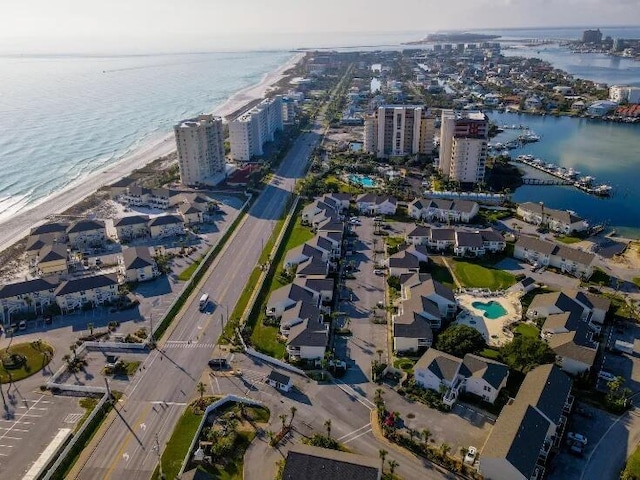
pixel 553 280
pixel 366 290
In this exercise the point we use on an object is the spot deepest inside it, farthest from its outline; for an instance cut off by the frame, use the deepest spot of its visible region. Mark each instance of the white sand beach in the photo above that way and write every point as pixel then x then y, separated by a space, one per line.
pixel 18 226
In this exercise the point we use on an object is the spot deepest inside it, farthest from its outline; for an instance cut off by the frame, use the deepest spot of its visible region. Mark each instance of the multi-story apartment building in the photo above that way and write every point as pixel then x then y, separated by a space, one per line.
pixel 624 93
pixel 250 130
pixel 200 144
pixel 398 130
pixel 463 146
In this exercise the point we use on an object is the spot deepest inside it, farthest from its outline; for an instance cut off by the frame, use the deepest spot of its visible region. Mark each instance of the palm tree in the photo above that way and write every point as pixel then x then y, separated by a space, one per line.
pixel 201 388
pixel 283 418
pixel 426 434
pixel 327 425
pixel 293 410
pixel 73 348
pixel 382 453
pixel 379 352
pixel 392 467
pixel 445 448
pixel 378 396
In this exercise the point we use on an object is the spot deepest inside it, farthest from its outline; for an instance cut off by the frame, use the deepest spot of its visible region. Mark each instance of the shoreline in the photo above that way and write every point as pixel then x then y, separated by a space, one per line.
pixel 19 225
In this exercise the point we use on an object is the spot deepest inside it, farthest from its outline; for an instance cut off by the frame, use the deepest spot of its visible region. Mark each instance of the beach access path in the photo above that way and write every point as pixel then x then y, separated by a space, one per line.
pixel 18 226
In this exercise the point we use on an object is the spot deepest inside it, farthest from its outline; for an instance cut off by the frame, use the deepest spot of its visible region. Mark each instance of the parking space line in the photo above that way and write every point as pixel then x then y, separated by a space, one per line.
pixel 13 429
pixel 7 446
pixel 4 437
pixel 21 417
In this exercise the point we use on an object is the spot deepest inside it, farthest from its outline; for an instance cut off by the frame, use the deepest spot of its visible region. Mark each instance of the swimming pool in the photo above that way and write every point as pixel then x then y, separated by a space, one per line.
pixel 362 180
pixel 492 310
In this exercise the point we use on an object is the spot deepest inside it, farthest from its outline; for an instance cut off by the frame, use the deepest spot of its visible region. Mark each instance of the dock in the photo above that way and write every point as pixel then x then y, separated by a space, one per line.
pixel 562 176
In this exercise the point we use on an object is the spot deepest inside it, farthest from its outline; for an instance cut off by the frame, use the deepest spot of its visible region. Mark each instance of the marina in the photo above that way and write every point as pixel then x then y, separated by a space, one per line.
pixel 564 176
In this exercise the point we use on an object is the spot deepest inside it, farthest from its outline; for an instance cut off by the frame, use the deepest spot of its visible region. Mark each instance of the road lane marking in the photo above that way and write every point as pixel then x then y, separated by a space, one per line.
pixel 176 404
pixel 126 441
pixel 366 432
pixel 368 425
pixel 346 388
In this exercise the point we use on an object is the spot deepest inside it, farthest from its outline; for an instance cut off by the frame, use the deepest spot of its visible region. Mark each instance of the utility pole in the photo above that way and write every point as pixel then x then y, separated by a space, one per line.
pixel 157 447
pixel 106 382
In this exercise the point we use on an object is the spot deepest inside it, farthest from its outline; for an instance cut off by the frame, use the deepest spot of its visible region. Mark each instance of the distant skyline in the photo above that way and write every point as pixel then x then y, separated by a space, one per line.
pixel 37 26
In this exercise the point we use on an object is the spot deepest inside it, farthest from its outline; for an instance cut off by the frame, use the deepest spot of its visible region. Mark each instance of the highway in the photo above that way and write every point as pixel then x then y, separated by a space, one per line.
pixel 155 400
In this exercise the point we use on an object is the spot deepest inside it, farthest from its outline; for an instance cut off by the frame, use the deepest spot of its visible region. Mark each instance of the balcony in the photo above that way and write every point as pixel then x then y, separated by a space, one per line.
pixel 568 405
pixel 538 473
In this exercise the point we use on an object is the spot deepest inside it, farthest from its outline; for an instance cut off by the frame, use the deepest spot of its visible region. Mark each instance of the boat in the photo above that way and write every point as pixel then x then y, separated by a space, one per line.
pixel 603 190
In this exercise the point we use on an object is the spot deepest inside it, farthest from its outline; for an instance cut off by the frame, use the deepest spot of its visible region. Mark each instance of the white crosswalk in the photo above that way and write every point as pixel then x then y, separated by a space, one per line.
pixel 176 344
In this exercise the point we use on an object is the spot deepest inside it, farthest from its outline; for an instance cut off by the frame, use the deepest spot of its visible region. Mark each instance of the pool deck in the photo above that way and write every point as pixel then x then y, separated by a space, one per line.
pixel 493 331
pixel 362 180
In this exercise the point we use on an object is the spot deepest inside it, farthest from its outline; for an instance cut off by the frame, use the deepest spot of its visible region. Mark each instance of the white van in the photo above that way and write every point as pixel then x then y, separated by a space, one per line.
pixel 204 299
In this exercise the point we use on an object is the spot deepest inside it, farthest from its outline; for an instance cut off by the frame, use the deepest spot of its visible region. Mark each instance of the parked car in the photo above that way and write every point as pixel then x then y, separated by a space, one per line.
pixel 577 438
pixel 576 449
pixel 583 412
pixel 378 272
pixel 607 376
pixel 22 325
pixel 470 457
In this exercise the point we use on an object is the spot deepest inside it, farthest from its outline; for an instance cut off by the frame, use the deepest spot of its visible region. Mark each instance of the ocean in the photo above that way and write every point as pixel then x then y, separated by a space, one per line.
pixel 63 118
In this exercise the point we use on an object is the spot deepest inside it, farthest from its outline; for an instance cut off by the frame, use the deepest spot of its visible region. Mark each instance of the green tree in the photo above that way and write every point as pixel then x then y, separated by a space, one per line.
pixel 201 388
pixel 524 353
pixel 458 340
pixel 392 467
pixel 327 425
pixel 382 453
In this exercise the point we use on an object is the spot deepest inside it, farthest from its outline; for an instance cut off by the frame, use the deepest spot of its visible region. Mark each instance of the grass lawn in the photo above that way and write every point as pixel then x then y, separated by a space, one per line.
pixel 568 239
pixel 474 275
pixel 441 273
pixel 599 277
pixel 632 469
pixel 265 339
pixel 176 448
pixel 187 272
pixel 527 330
pixel 490 353
pixel 37 355
pixel 88 403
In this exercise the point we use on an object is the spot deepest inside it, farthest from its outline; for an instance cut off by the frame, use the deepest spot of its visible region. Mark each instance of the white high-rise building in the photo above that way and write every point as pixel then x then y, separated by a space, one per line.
pixel 251 129
pixel 463 146
pixel 200 144
pixel 624 93
pixel 398 130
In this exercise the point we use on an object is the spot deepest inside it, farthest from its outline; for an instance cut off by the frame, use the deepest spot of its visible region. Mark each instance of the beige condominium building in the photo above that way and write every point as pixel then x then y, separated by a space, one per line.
pixel 463 146
pixel 200 144
pixel 251 129
pixel 398 130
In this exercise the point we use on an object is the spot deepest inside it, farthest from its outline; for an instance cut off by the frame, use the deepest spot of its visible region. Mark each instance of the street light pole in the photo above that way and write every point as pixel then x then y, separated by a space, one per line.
pixel 157 446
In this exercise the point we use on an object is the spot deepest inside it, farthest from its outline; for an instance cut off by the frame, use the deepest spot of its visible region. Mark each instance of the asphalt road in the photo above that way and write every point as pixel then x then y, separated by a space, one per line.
pixel 155 401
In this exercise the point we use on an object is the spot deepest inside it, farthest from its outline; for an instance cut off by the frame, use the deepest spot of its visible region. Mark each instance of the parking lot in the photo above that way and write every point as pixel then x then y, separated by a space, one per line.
pixel 29 422
pixel 541 276
pixel 619 363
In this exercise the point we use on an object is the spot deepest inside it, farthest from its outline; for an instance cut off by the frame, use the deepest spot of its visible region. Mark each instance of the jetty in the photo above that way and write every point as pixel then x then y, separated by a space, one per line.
pixel 563 176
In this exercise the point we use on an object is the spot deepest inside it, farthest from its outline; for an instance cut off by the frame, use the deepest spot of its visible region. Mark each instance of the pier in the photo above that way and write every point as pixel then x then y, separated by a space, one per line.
pixel 545 181
pixel 562 176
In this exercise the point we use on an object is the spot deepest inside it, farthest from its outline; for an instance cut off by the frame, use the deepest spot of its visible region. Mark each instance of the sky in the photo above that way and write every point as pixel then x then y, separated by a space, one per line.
pixel 68 25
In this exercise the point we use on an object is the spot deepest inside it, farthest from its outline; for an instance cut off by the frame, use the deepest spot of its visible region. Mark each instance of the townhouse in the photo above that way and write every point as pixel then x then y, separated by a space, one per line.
pixel 426 305
pixel 21 297
pixel 451 375
pixel 463 242
pixel 571 320
pixel 440 209
pixel 529 427
pixel 97 289
pixel 52 260
pixel 297 314
pixel 562 221
pixel 131 227
pixel 164 226
pixel 372 204
pixel 137 265
pixel 407 260
pixel 162 198
pixel 55 232
pixel 568 260
pixel 302 253
pixel 287 297
pixel 87 233
pixel 308 340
